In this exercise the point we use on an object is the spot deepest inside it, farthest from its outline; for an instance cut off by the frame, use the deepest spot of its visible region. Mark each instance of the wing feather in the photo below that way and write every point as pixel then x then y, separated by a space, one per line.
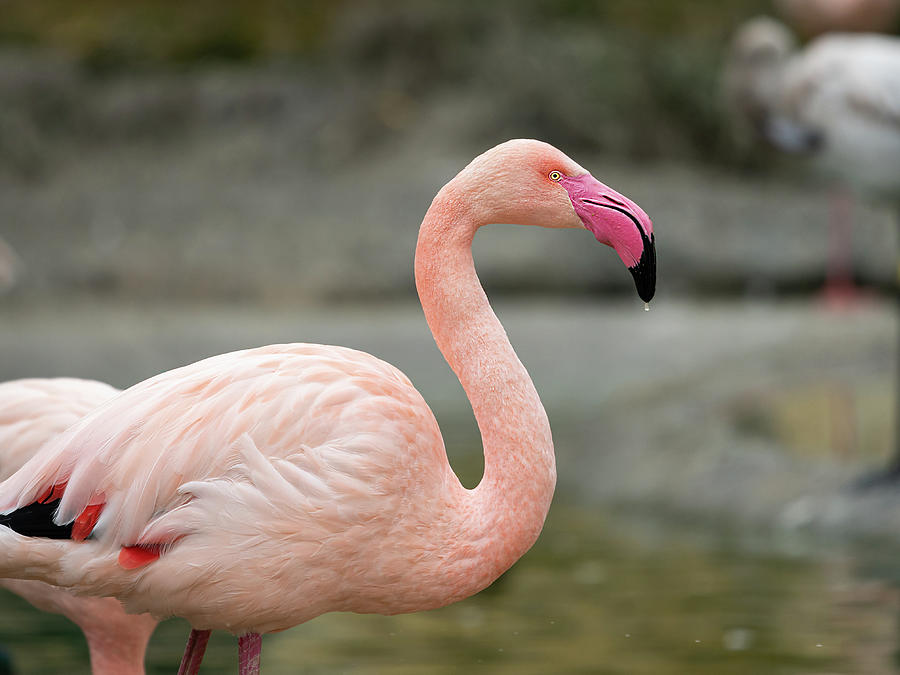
pixel 34 411
pixel 294 426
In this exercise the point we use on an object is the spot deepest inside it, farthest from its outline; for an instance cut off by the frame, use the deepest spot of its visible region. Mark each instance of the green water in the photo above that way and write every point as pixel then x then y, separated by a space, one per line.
pixel 599 593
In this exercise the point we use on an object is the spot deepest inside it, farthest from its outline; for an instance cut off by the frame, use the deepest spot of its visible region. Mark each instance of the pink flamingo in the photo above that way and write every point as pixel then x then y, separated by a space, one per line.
pixel 253 491
pixel 33 412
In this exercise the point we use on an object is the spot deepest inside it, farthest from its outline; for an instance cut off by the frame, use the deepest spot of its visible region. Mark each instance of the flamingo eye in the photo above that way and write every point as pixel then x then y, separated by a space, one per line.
pixel 555 175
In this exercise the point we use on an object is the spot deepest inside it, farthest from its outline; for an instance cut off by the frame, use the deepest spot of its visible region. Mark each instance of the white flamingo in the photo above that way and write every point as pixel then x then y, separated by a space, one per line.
pixel 838 100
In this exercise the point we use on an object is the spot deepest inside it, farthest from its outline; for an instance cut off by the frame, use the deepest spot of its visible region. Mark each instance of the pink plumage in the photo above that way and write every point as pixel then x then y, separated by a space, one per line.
pixel 33 412
pixel 278 483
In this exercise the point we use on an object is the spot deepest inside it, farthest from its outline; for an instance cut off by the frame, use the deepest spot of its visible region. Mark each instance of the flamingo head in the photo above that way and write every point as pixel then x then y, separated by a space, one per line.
pixel 754 67
pixel 540 185
pixel 762 41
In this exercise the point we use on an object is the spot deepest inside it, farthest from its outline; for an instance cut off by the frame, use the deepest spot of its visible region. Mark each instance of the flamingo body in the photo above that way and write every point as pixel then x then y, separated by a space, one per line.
pixel 349 443
pixel 838 100
pixel 847 89
pixel 33 412
pixel 255 490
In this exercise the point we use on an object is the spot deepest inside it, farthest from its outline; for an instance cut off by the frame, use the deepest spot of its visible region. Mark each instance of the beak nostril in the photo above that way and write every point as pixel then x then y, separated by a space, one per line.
pixel 606 197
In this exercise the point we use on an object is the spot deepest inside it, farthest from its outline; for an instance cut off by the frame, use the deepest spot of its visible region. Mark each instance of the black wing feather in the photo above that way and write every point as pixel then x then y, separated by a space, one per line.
pixel 36 520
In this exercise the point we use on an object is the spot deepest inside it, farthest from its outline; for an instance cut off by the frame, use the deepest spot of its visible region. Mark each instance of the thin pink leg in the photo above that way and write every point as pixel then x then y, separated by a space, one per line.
pixel 249 650
pixel 840 290
pixel 193 652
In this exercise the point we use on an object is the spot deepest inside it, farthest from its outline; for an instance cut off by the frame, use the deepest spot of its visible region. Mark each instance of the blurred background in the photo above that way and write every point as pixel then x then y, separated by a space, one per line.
pixel 183 179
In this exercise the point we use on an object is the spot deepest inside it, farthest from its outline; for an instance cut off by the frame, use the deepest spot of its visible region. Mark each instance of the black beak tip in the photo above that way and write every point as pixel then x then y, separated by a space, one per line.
pixel 644 272
pixel 646 292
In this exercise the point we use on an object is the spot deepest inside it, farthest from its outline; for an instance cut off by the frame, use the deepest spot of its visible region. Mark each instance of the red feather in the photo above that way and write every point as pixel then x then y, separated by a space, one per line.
pixel 84 523
pixel 52 493
pixel 132 557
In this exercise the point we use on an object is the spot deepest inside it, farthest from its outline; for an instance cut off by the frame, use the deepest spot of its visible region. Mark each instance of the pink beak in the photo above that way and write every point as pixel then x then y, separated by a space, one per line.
pixel 617 221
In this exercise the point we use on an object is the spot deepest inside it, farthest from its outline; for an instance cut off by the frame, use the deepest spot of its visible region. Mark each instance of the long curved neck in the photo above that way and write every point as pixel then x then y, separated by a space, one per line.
pixel 117 641
pixel 109 658
pixel 506 511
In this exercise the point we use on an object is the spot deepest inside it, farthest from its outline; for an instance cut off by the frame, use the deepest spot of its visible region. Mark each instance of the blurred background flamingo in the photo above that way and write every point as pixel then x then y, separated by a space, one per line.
pixel 33 412
pixel 836 102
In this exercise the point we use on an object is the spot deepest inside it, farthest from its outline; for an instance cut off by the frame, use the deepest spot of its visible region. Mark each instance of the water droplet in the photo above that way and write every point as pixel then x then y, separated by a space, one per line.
pixel 646 306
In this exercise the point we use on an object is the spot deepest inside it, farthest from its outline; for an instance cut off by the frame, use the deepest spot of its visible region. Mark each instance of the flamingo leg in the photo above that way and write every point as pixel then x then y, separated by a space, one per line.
pixel 840 290
pixel 249 650
pixel 193 652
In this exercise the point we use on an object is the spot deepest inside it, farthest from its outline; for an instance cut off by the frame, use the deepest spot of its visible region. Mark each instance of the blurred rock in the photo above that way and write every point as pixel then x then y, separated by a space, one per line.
pixel 270 182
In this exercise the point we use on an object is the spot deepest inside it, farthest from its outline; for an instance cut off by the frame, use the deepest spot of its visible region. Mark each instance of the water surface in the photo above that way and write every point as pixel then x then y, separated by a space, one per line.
pixel 599 593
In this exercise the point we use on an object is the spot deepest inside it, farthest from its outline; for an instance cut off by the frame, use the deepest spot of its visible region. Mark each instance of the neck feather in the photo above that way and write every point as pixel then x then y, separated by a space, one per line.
pixel 119 651
pixel 505 513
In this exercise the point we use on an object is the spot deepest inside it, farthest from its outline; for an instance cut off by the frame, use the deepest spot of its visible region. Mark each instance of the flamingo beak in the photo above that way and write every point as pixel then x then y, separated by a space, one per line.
pixel 644 272
pixel 618 222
